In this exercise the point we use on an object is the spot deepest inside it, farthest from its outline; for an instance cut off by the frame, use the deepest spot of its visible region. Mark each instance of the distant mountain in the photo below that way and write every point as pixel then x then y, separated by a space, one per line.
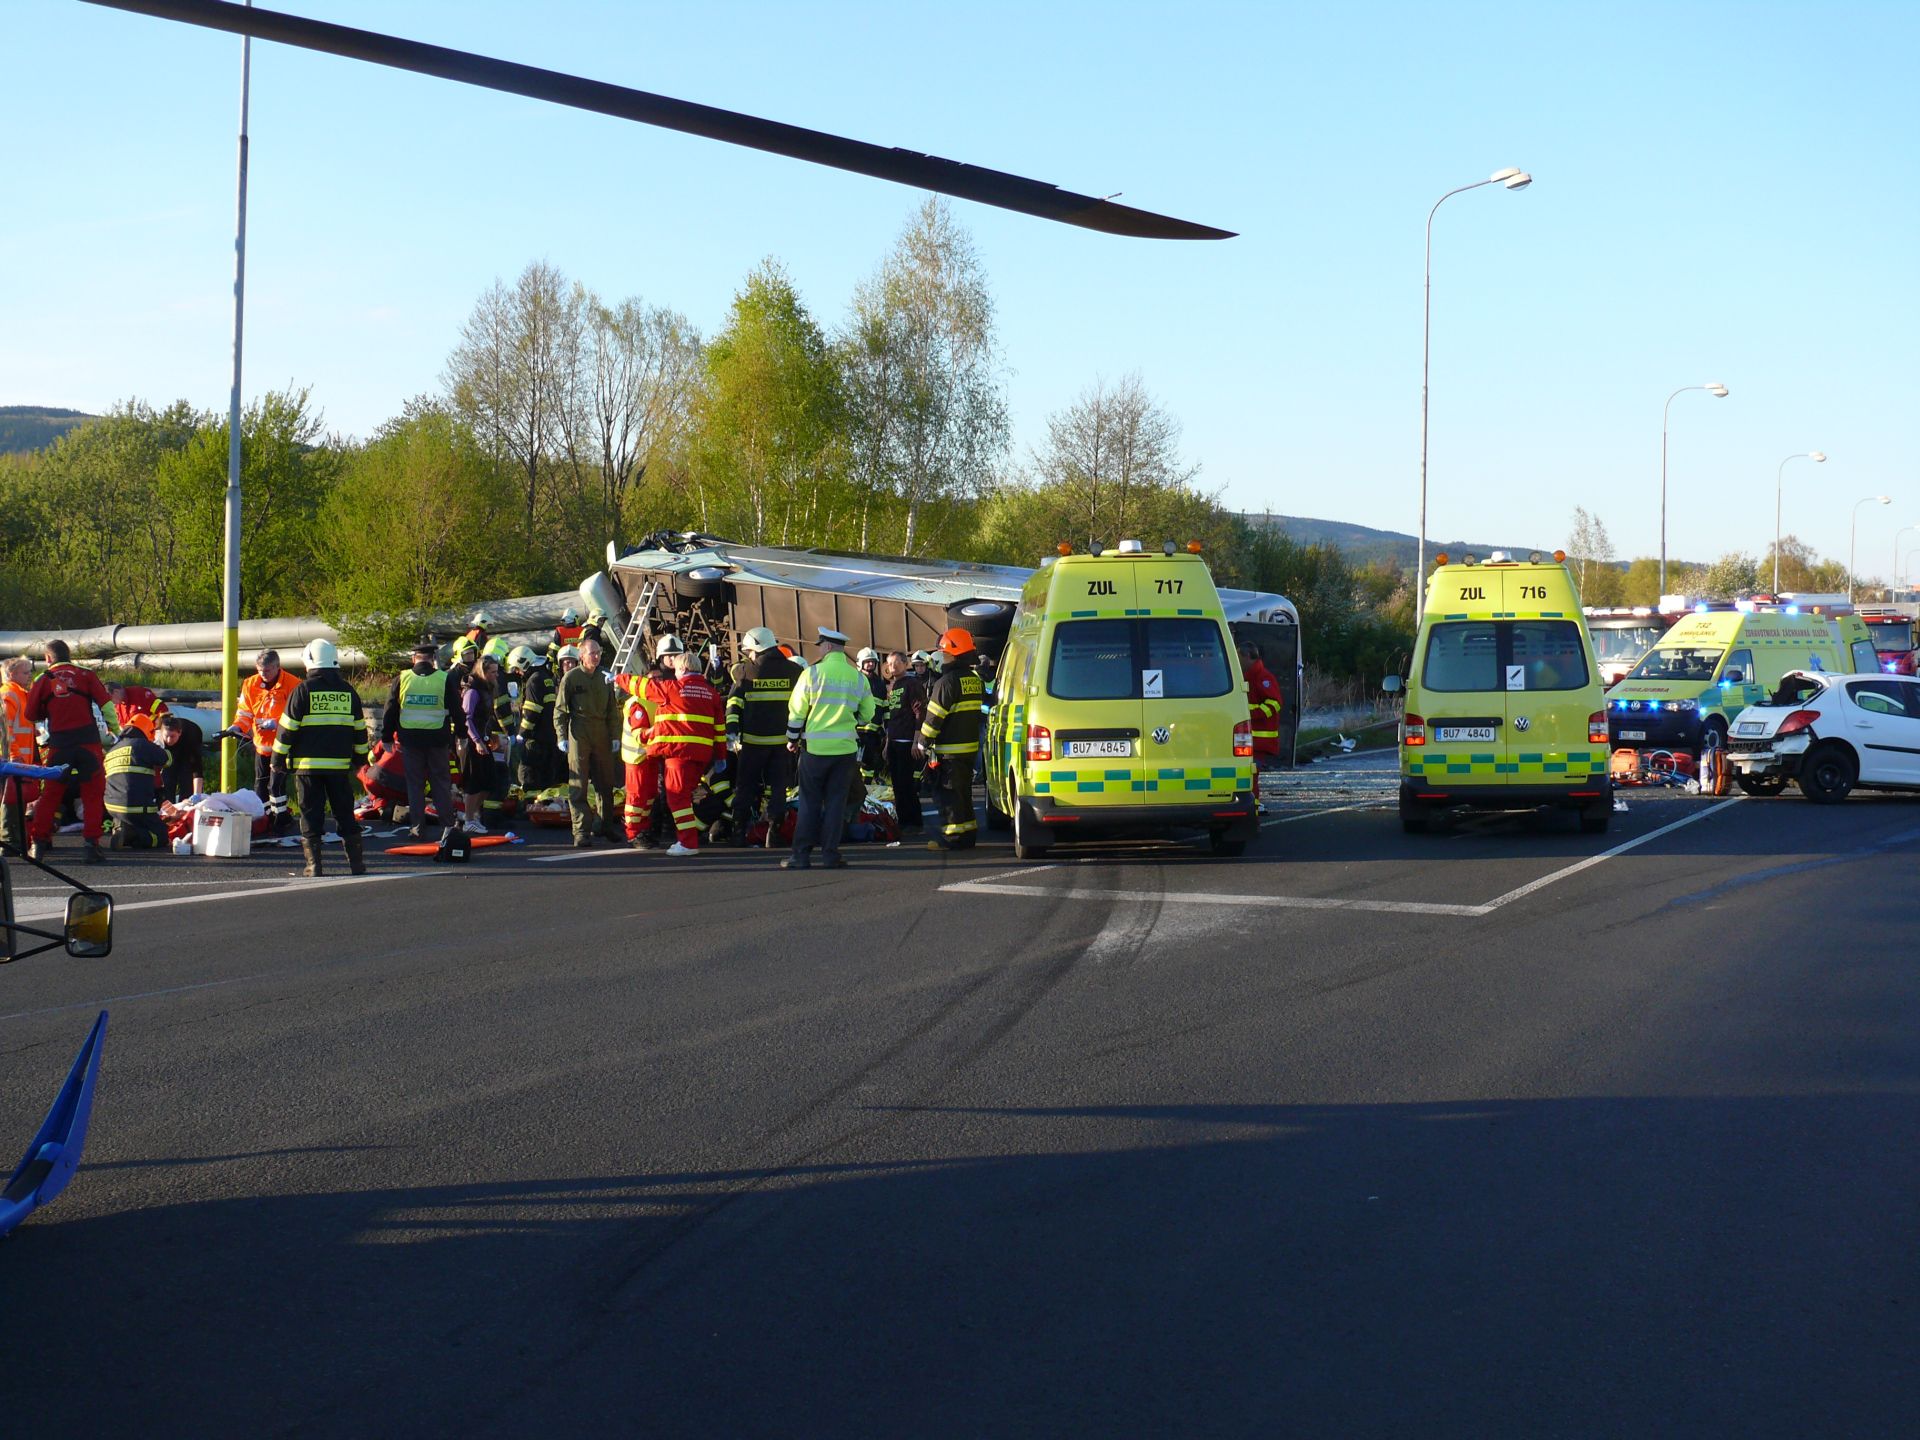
pixel 34 427
pixel 1363 544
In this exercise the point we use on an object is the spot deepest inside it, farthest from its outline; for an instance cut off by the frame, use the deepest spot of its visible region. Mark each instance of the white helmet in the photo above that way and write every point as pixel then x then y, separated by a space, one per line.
pixel 569 616
pixel 320 655
pixel 921 657
pixel 569 652
pixel 867 653
pixel 481 621
pixel 519 658
pixel 669 645
pixel 759 640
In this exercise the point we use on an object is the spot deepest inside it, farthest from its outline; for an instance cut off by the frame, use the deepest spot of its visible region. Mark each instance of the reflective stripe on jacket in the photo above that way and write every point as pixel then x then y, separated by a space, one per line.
pixel 423 700
pixel 261 706
pixel 952 726
pixel 831 700
pixel 757 704
pixel 686 722
pixel 19 729
pixel 133 785
pixel 637 720
pixel 323 727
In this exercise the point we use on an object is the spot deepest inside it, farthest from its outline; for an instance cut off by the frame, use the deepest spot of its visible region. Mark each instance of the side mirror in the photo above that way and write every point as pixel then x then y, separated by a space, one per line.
pixel 1392 685
pixel 1736 676
pixel 89 928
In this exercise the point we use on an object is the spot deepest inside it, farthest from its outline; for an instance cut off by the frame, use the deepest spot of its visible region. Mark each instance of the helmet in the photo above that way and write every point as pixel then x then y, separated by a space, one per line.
pixel 144 723
pixel 866 654
pixel 956 642
pixel 465 650
pixel 921 657
pixel 569 652
pixel 519 658
pixel 320 655
pixel 594 617
pixel 569 616
pixel 481 621
pixel 669 645
pixel 759 640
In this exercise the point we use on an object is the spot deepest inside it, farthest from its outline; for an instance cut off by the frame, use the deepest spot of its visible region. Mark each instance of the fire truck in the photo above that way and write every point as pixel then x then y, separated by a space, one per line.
pixel 1623 633
pixel 1892 633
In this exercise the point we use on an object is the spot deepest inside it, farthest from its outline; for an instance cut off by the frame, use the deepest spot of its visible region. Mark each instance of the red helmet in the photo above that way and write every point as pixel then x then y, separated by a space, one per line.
pixel 956 642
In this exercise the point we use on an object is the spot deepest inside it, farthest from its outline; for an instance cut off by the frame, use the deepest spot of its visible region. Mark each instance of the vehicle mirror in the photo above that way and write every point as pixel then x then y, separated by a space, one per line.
pixel 89 925
pixel 1391 685
pixel 1736 676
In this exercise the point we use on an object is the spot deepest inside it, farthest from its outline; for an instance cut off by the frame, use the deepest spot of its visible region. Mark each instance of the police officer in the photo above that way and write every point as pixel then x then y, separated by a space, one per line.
pixel 323 740
pixel 951 735
pixel 133 766
pixel 757 733
pixel 831 700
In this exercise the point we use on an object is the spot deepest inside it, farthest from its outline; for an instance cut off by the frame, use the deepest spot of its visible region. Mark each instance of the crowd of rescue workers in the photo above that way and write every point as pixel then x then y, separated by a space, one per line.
pixel 674 753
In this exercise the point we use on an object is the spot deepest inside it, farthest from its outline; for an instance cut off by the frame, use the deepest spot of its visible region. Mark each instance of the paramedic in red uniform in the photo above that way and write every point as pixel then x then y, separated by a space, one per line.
pixel 63 697
pixel 689 717
pixel 1263 705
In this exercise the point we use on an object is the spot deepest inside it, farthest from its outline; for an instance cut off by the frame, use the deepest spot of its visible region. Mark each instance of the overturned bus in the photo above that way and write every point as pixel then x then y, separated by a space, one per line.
pixel 709 591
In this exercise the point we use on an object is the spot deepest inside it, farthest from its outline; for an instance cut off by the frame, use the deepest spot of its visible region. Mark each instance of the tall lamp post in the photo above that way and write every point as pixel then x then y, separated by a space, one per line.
pixel 230 551
pixel 1853 535
pixel 1779 481
pixel 1719 392
pixel 1508 179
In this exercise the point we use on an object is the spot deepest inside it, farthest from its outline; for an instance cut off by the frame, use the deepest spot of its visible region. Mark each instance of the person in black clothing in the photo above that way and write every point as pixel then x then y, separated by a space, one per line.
pixel 186 758
pixel 133 764
pixel 757 733
pixel 419 717
pixel 950 737
pixel 906 709
pixel 323 741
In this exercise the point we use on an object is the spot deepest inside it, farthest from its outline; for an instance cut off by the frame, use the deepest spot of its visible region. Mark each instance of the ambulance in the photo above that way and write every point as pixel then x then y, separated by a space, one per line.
pixel 1504 701
pixel 1722 658
pixel 1119 706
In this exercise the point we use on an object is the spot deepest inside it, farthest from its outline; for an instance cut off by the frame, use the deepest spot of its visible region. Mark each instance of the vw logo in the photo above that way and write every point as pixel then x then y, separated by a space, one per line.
pixel 1161 735
pixel 1521 722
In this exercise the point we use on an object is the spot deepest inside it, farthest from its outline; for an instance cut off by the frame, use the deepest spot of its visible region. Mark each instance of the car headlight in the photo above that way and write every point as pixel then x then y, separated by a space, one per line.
pixel 1682 705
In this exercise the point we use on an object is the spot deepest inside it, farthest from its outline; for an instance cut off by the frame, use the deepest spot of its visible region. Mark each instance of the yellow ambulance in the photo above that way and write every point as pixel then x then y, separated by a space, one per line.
pixel 1720 659
pixel 1119 706
pixel 1504 702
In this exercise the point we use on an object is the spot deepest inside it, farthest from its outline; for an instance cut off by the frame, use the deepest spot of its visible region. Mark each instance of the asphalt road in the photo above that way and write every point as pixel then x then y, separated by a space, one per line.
pixel 1471 1134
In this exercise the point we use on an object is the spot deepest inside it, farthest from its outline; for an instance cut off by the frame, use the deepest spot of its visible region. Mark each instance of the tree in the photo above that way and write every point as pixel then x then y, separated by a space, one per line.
pixel 1590 550
pixel 768 462
pixel 1728 578
pixel 1801 571
pixel 1641 585
pixel 928 410
pixel 644 366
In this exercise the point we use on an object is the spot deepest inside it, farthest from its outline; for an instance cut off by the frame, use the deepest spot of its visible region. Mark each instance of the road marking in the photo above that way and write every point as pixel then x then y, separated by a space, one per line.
pixel 128 999
pixel 295 885
pixel 993 885
pixel 1315 814
pixel 587 855
pixel 118 886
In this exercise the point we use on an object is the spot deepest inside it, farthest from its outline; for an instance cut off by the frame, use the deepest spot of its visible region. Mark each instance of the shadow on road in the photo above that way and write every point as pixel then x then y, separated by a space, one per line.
pixel 1596 1266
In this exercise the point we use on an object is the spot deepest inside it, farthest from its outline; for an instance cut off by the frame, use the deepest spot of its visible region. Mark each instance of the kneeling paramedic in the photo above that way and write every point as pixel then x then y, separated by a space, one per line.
pixel 951 735
pixel 133 765
pixel 323 740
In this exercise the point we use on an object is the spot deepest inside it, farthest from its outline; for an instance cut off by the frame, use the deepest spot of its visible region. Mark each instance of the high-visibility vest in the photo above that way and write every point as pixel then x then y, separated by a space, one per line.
pixel 261 706
pixel 637 717
pixel 830 701
pixel 423 700
pixel 19 728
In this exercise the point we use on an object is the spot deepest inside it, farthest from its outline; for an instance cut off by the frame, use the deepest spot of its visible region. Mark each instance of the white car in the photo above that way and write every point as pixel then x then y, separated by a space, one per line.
pixel 1831 733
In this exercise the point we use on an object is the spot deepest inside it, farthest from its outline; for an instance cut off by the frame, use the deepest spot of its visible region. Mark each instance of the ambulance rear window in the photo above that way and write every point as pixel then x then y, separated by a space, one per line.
pixel 1113 659
pixel 1485 655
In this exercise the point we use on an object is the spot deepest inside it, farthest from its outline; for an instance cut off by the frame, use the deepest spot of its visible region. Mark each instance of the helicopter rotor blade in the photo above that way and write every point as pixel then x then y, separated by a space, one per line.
pixel 906 167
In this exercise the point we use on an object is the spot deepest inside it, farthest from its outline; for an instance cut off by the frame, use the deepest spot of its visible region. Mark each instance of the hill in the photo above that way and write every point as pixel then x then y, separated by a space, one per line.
pixel 1362 544
pixel 34 427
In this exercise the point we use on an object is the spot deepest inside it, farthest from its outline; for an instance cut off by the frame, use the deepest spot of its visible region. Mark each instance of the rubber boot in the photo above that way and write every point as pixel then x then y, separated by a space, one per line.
pixel 356 855
pixel 311 849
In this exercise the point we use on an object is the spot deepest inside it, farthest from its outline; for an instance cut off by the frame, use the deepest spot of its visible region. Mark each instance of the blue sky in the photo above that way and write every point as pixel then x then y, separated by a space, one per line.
pixel 1722 192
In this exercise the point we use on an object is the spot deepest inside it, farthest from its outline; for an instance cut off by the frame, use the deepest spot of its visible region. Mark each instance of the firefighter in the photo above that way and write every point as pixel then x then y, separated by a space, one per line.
pixel 323 740
pixel 584 716
pixel 1263 706
pixel 688 714
pixel 132 700
pixel 757 733
pixel 16 796
pixel 535 725
pixel 133 765
pixel 419 718
pixel 906 709
pixel 63 699
pixel 567 632
pixel 872 735
pixel 263 698
pixel 831 700
pixel 950 736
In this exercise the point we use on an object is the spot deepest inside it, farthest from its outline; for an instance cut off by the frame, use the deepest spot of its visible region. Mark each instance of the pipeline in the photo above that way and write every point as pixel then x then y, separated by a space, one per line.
pixel 170 647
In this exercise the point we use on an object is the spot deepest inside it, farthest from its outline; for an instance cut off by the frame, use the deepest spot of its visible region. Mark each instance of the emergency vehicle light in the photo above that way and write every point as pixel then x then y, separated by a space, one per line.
pixel 1167 548
pixel 1064 548
pixel 1441 558
pixel 1193 547
pixel 1533 557
pixel 1131 547
pixel 1559 557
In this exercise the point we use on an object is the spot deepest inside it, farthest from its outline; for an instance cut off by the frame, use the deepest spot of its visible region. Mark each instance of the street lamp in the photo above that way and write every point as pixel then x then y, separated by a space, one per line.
pixel 1719 392
pixel 1853 535
pixel 1508 179
pixel 1779 477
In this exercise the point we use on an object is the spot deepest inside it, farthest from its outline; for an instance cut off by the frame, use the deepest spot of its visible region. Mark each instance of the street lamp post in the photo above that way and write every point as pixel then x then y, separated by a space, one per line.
pixel 1853 535
pixel 1508 179
pixel 1779 481
pixel 1719 392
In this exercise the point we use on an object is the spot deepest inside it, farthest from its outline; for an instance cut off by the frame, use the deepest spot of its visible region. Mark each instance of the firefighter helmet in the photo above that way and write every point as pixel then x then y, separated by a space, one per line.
pixel 669 645
pixel 868 653
pixel 759 640
pixel 956 642
pixel 320 655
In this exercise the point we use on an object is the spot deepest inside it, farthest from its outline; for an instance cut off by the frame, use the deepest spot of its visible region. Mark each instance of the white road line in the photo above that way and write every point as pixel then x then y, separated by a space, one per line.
pixel 117 886
pixel 291 886
pixel 991 886
pixel 1574 869
pixel 1315 814
pixel 587 855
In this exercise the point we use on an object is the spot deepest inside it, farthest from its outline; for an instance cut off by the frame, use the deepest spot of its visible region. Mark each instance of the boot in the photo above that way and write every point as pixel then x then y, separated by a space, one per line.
pixel 311 849
pixel 356 856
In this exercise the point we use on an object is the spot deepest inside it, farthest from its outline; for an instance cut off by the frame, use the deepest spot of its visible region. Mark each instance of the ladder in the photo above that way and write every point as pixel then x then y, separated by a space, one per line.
pixel 635 636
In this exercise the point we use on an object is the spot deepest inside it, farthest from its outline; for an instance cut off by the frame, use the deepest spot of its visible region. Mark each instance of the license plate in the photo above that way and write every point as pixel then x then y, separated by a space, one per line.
pixel 1099 749
pixel 1463 732
pixel 1751 727
pixel 1633 734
